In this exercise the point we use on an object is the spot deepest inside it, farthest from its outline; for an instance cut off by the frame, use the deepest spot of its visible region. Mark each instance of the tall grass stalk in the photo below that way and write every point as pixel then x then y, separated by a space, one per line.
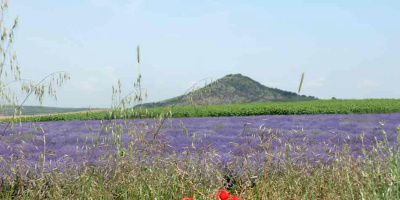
pixel 301 83
pixel 298 93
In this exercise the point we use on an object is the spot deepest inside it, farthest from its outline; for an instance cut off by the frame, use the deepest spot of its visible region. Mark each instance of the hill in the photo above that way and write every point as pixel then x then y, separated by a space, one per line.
pixel 231 89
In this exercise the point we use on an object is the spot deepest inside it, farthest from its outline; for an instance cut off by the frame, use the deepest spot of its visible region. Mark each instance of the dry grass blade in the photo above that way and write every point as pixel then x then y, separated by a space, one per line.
pixel 138 54
pixel 301 82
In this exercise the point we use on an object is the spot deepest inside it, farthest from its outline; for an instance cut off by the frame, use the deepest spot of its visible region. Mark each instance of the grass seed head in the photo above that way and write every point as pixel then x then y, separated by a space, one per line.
pixel 301 82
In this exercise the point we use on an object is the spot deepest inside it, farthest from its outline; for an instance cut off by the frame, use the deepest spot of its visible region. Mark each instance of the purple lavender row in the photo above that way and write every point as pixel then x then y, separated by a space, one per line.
pixel 308 135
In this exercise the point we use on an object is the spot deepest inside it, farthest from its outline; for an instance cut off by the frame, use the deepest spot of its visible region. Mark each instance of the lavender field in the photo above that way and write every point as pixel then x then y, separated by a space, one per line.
pixel 314 136
pixel 256 136
pixel 246 154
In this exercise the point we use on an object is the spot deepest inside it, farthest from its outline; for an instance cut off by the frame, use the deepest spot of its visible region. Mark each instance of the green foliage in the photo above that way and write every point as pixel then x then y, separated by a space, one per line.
pixel 268 108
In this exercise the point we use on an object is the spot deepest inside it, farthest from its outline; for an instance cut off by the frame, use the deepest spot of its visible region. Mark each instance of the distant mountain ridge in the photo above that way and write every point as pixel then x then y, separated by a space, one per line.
pixel 231 89
pixel 41 110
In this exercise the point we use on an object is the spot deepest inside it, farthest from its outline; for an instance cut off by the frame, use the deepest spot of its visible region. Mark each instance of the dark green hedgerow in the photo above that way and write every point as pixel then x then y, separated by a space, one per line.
pixel 267 108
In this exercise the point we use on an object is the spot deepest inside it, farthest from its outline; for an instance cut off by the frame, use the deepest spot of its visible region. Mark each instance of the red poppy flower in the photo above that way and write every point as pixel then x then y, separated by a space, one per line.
pixel 222 195
pixel 234 198
pixel 187 199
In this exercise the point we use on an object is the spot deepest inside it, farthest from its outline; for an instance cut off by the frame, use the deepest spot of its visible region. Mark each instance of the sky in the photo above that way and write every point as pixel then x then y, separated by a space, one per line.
pixel 347 49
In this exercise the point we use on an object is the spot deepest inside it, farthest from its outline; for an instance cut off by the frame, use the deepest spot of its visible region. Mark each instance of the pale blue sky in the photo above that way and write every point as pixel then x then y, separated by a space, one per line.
pixel 347 48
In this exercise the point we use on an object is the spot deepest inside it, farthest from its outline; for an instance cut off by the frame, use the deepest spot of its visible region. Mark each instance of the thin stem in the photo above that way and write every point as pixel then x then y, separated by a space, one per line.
pixel 14 82
pixel 26 98
pixel 163 120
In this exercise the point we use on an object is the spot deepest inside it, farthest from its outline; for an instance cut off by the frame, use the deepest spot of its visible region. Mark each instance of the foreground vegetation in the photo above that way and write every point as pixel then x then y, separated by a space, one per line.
pixel 267 108
pixel 136 163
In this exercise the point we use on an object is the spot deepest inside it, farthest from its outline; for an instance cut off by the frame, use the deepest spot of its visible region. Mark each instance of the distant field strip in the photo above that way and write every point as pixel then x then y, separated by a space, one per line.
pixel 41 110
pixel 267 108
pixel 50 114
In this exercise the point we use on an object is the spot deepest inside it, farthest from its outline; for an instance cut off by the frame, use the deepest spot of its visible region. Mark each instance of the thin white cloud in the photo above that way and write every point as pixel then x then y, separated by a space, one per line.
pixel 315 83
pixel 171 35
pixel 110 73
pixel 88 85
pixel 126 5
pixel 368 83
pixel 103 3
pixel 272 84
pixel 195 86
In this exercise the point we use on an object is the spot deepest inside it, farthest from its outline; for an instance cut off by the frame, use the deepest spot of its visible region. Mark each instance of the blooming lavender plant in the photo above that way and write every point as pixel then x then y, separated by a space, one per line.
pixel 317 136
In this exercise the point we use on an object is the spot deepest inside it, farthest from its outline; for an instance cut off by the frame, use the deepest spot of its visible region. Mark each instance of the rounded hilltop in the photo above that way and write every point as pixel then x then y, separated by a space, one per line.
pixel 231 89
